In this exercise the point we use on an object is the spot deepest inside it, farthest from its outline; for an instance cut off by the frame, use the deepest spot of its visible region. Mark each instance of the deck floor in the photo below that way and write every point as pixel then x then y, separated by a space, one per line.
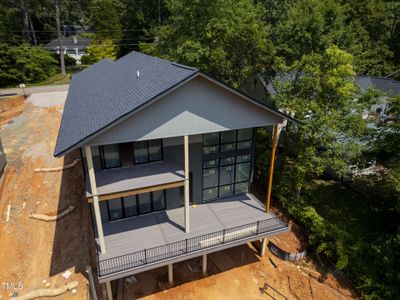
pixel 160 228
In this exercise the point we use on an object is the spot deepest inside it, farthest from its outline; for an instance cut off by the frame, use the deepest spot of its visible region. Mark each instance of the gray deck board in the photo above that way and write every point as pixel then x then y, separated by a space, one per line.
pixel 160 228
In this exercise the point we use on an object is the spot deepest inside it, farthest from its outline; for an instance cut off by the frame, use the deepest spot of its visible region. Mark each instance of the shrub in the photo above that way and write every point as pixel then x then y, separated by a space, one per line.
pixel 25 63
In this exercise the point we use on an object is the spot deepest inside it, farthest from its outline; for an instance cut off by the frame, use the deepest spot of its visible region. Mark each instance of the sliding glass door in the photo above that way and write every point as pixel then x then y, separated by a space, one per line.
pixel 136 205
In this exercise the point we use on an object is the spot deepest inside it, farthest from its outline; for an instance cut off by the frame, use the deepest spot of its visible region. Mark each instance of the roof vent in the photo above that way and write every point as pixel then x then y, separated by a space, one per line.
pixel 137 74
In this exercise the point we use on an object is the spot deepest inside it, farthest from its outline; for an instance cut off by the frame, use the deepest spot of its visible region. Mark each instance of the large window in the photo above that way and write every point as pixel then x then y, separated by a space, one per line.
pixel 109 155
pixel 227 161
pixel 147 151
pixel 136 205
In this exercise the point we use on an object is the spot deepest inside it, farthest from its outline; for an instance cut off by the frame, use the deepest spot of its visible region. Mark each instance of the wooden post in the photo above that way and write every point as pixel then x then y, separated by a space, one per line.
pixel 170 274
pixel 263 247
pixel 187 192
pixel 204 264
pixel 91 282
pixel 271 166
pixel 109 290
pixel 97 215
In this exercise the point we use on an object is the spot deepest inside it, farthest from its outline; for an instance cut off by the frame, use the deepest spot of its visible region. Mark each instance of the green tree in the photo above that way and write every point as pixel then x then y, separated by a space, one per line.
pixel 321 94
pixel 106 20
pixel 25 63
pixel 98 50
pixel 225 38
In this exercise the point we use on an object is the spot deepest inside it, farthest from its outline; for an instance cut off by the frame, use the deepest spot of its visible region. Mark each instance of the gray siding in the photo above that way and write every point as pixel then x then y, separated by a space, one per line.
pixel 197 107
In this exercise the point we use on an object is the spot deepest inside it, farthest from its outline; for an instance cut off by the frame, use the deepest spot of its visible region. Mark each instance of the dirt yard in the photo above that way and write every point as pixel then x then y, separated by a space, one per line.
pixel 34 254
pixel 243 276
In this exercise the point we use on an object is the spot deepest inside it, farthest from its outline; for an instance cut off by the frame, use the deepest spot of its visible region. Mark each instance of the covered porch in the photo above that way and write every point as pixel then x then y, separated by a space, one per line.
pixel 149 241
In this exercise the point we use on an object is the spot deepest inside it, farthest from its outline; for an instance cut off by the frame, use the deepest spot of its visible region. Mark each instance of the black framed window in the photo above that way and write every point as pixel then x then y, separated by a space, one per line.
pixel 115 209
pixel 147 151
pixel 227 163
pixel 109 155
pixel 135 205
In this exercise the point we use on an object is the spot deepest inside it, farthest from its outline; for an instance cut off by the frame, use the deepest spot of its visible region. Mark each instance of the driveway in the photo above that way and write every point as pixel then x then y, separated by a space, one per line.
pixel 36 89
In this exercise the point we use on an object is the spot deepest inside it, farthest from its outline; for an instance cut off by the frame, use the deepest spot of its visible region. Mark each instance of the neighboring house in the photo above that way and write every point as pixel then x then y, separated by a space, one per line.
pixel 168 155
pixel 74 47
pixel 389 87
pixel 3 161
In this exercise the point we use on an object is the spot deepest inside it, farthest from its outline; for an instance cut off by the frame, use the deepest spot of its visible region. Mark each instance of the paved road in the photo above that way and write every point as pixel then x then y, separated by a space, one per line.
pixel 36 89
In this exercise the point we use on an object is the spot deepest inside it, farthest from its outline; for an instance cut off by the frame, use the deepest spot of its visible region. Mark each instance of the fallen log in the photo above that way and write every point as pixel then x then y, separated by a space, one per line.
pixel 47 292
pixel 55 169
pixel 48 218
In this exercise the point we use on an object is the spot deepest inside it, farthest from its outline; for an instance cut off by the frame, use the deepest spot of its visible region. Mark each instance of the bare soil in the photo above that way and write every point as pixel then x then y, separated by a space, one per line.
pixel 34 254
pixel 246 280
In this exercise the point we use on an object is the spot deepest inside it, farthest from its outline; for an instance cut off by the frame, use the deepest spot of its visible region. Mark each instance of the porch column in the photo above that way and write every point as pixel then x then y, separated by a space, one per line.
pixel 97 215
pixel 109 290
pixel 187 192
pixel 263 247
pixel 271 166
pixel 204 264
pixel 171 274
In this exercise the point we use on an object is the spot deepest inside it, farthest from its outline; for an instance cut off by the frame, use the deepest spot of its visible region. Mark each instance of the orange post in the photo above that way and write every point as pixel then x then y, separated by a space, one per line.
pixel 271 166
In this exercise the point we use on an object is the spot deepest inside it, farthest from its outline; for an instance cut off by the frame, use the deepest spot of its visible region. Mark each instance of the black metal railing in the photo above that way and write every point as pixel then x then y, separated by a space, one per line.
pixel 155 254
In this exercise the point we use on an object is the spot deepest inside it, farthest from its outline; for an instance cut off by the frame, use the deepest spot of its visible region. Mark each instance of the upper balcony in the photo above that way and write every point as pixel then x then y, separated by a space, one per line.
pixel 136 179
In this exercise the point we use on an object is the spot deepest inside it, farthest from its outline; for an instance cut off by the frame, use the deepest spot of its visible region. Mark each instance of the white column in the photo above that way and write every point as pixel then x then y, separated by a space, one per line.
pixel 109 291
pixel 170 274
pixel 187 192
pixel 97 215
pixel 204 264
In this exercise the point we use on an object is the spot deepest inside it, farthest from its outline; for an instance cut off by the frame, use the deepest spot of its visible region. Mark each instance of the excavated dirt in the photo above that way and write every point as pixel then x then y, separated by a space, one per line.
pixel 11 107
pixel 245 280
pixel 34 254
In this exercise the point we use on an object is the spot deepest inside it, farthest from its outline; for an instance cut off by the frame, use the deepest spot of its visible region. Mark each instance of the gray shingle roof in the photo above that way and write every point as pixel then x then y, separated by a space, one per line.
pixel 387 85
pixel 69 43
pixel 107 91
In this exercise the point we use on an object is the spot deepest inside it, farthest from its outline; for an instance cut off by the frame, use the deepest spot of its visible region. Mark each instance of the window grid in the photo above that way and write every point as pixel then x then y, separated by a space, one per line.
pixel 219 156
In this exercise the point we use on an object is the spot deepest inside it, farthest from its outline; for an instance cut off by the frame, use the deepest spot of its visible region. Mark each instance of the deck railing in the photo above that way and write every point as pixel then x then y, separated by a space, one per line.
pixel 190 245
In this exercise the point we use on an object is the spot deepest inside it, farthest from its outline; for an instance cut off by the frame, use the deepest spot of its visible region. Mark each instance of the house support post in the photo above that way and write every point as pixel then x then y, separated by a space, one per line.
pixel 170 275
pixel 187 192
pixel 263 247
pixel 97 215
pixel 271 166
pixel 109 290
pixel 204 264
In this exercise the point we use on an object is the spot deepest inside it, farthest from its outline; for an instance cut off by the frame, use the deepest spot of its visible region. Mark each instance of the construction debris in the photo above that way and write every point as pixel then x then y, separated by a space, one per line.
pixel 66 274
pixel 8 213
pixel 47 218
pixel 47 292
pixel 56 169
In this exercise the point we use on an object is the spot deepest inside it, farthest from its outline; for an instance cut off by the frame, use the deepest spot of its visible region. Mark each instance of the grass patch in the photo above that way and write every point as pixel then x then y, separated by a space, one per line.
pixel 54 80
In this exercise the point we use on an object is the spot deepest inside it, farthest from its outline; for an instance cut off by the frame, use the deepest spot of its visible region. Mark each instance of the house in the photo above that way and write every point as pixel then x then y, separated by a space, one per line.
pixel 168 154
pixel 74 47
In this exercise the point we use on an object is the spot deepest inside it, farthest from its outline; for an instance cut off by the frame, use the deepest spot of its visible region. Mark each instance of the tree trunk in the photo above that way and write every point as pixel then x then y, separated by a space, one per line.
pixel 32 30
pixel 25 21
pixel 60 45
